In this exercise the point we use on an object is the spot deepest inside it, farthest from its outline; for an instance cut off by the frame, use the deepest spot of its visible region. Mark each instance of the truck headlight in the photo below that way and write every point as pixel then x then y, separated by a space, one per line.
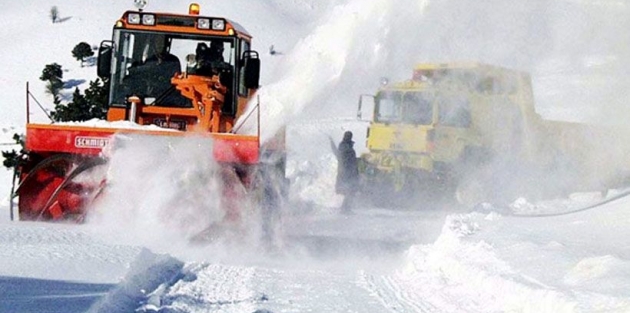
pixel 148 19
pixel 218 24
pixel 133 18
pixel 203 23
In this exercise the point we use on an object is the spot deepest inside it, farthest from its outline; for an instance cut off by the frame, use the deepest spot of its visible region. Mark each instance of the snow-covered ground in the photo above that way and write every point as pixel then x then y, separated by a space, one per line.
pixel 129 256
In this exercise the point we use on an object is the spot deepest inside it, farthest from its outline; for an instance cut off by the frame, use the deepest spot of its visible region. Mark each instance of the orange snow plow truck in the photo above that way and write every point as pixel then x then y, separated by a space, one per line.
pixel 170 75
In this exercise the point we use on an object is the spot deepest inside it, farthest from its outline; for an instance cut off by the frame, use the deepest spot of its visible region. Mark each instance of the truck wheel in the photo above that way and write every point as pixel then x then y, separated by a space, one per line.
pixel 470 192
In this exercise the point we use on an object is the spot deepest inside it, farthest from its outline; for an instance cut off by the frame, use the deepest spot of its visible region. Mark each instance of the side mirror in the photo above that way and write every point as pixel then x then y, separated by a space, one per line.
pixel 252 69
pixel 104 63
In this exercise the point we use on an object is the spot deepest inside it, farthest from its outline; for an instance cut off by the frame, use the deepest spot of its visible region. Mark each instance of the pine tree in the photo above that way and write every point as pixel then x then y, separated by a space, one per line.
pixel 81 51
pixel 54 14
pixel 51 71
pixel 96 96
pixel 75 111
pixel 84 107
pixel 53 86
pixel 13 159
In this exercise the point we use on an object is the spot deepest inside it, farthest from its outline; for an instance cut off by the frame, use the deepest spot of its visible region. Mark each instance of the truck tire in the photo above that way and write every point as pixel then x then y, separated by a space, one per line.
pixel 471 191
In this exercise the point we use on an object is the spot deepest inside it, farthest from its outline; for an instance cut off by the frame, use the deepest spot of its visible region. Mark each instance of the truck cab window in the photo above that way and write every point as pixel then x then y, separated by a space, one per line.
pixel 418 108
pixel 388 107
pixel 146 62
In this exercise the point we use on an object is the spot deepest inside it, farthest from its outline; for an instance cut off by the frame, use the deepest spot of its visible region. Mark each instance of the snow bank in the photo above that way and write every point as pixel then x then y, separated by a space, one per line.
pixel 598 273
pixel 161 283
pixel 206 287
pixel 462 265
pixel 148 273
pixel 463 269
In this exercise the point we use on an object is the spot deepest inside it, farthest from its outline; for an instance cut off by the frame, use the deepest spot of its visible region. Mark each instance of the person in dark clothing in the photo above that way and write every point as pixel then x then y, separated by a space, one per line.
pixel 347 182
pixel 163 66
pixel 151 76
pixel 210 59
pixel 159 62
pixel 209 62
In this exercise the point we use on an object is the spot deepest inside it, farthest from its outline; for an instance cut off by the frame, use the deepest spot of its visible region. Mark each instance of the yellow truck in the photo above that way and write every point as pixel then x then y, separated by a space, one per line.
pixel 470 132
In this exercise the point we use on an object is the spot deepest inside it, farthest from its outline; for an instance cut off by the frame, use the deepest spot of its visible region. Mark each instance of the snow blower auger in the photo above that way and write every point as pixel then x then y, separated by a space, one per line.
pixel 151 94
pixel 52 189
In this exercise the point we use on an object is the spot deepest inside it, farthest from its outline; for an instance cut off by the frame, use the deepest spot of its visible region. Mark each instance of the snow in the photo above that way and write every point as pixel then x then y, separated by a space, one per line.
pixel 133 255
pixel 116 124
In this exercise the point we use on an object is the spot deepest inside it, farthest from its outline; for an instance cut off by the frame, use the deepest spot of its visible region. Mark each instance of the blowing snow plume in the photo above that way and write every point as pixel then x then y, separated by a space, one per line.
pixel 323 68
pixel 163 191
pixel 314 67
pixel 358 42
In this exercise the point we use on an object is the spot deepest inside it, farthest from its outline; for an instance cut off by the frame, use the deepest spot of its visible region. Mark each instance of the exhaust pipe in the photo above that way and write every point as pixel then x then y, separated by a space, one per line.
pixel 134 103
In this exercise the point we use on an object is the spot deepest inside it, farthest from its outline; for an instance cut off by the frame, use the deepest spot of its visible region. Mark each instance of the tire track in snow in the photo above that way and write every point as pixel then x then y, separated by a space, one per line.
pixel 214 287
pixel 28 242
pixel 224 288
pixel 393 297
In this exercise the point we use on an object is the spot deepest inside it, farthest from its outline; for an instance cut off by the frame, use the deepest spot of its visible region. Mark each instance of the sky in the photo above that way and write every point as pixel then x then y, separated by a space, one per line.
pixel 134 252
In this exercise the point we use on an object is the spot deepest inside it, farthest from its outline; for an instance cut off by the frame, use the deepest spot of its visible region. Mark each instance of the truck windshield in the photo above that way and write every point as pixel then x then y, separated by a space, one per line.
pixel 404 107
pixel 145 62
pixel 388 107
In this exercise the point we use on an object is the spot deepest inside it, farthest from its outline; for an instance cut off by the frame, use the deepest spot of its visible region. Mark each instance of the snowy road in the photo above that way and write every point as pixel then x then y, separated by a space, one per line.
pixel 324 262
pixel 375 260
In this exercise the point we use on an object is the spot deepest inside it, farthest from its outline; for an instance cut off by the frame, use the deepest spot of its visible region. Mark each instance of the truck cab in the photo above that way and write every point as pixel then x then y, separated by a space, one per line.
pixel 150 50
pixel 425 133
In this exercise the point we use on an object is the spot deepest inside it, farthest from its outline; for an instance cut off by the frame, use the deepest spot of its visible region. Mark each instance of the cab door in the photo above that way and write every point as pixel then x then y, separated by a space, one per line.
pixel 453 126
